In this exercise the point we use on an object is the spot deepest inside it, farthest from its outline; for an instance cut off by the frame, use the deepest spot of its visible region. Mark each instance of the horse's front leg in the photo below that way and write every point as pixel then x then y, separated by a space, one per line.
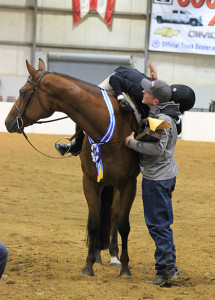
pixel 93 226
pixel 127 198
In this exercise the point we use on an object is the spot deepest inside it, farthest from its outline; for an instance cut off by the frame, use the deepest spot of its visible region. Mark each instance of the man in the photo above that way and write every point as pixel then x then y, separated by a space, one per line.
pixel 159 170
pixel 3 258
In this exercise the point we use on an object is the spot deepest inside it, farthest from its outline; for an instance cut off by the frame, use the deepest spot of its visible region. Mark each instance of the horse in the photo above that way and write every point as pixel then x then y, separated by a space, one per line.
pixel 110 197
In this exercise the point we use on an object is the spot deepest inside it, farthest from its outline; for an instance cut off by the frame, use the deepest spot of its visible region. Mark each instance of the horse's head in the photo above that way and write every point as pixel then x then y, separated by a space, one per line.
pixel 31 104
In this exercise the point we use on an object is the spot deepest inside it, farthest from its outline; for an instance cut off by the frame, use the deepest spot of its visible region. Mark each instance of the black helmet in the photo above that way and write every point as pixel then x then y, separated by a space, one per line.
pixel 183 95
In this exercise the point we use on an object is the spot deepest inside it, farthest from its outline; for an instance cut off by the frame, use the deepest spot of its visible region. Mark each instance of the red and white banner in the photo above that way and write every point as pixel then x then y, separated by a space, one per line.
pixel 103 7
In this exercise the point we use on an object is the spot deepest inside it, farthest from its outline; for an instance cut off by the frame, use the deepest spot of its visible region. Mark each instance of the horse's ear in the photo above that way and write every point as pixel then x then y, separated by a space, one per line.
pixel 41 65
pixel 31 70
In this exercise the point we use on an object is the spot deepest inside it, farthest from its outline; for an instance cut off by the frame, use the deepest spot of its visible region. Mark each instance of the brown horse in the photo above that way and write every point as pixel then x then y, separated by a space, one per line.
pixel 110 199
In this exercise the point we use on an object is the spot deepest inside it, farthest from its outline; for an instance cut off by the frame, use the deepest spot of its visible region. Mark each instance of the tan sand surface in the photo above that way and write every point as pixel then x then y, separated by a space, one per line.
pixel 43 215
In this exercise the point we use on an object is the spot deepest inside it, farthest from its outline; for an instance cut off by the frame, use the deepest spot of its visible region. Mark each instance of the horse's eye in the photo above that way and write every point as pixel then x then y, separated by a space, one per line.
pixel 22 95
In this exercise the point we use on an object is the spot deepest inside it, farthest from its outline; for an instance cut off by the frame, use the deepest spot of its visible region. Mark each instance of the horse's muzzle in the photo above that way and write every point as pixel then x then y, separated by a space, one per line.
pixel 13 126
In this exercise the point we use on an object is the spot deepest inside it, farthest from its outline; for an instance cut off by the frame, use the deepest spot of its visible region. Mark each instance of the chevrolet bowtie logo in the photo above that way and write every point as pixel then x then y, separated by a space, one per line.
pixel 167 31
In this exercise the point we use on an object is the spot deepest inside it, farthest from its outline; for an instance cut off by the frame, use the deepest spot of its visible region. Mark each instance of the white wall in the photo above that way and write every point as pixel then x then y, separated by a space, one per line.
pixel 196 71
pixel 10 86
pixel 196 126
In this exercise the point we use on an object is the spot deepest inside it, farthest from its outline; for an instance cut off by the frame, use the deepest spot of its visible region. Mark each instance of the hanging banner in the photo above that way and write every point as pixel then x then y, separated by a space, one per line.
pixel 104 8
pixel 184 26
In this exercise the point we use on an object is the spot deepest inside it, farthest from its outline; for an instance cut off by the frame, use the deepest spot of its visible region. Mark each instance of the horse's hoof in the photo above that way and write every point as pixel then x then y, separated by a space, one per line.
pixel 125 273
pixel 115 262
pixel 86 272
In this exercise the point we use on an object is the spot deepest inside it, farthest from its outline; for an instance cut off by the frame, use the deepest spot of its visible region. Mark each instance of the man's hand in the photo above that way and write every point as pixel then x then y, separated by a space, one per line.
pixel 128 138
pixel 153 73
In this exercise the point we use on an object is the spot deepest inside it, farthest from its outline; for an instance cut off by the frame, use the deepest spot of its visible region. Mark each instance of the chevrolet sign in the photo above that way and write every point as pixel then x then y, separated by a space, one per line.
pixel 167 31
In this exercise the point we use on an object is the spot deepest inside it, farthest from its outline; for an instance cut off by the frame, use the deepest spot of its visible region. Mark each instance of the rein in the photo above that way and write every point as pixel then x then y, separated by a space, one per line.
pixel 54 157
pixel 42 122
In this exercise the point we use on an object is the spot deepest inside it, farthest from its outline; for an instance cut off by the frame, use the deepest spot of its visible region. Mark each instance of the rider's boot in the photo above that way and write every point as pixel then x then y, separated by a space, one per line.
pixel 74 148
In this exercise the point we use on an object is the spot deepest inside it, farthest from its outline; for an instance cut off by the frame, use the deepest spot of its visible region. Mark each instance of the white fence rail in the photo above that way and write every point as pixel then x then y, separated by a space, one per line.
pixel 196 126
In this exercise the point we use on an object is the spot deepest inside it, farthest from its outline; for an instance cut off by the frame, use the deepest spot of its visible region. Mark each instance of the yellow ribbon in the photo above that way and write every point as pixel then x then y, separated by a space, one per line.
pixel 155 124
pixel 100 176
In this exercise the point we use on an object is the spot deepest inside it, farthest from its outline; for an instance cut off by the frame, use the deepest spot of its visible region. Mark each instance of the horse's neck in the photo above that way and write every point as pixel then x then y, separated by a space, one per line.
pixel 86 109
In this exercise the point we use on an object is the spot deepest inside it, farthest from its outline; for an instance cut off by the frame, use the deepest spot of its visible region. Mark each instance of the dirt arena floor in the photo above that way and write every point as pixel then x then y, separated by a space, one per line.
pixel 43 216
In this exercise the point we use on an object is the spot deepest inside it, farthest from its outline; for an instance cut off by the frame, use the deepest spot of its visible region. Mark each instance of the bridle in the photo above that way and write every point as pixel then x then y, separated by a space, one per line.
pixel 36 84
pixel 19 119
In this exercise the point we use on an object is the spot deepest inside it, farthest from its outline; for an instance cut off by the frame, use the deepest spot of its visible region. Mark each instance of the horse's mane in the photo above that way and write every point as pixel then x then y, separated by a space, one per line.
pixel 87 86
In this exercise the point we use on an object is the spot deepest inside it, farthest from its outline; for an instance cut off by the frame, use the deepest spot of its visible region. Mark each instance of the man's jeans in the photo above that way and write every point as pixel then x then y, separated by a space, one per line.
pixel 3 258
pixel 157 202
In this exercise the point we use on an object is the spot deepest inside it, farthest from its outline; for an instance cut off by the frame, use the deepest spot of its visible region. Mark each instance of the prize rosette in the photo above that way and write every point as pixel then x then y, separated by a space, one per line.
pixel 95 152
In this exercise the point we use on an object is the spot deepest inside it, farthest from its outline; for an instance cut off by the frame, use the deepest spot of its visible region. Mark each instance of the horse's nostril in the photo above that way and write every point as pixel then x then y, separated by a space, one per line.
pixel 8 126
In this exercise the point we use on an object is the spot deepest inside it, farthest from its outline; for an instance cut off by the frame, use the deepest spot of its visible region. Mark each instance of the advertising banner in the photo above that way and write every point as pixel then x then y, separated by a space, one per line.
pixel 184 26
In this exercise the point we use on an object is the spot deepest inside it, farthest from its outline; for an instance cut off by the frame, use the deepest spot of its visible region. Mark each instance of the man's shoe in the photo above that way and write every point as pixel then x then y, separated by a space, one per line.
pixel 174 277
pixel 159 280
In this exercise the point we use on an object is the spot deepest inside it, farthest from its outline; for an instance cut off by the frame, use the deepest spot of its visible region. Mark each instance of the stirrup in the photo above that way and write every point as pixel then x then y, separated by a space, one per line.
pixel 64 138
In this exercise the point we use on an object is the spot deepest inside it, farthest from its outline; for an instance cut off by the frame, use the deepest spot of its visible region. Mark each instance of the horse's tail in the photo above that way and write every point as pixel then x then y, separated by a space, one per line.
pixel 105 216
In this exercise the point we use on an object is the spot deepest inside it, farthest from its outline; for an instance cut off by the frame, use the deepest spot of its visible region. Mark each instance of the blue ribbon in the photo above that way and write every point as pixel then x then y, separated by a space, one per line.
pixel 95 147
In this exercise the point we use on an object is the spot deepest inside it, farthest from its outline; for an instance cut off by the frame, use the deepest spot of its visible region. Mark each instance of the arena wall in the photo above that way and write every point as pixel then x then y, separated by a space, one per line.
pixel 26 33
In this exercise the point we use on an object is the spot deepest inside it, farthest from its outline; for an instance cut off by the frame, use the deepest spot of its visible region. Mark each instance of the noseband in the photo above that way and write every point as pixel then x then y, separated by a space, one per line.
pixel 19 119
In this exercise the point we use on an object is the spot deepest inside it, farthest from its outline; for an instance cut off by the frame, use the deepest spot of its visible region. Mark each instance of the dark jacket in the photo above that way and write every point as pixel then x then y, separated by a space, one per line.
pixel 128 80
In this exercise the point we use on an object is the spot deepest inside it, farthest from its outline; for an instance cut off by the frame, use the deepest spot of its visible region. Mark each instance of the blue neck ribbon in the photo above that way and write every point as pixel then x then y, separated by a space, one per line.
pixel 95 147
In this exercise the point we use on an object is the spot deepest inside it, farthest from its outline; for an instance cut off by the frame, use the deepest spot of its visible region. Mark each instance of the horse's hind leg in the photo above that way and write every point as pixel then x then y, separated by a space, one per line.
pixel 114 249
pixel 107 196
